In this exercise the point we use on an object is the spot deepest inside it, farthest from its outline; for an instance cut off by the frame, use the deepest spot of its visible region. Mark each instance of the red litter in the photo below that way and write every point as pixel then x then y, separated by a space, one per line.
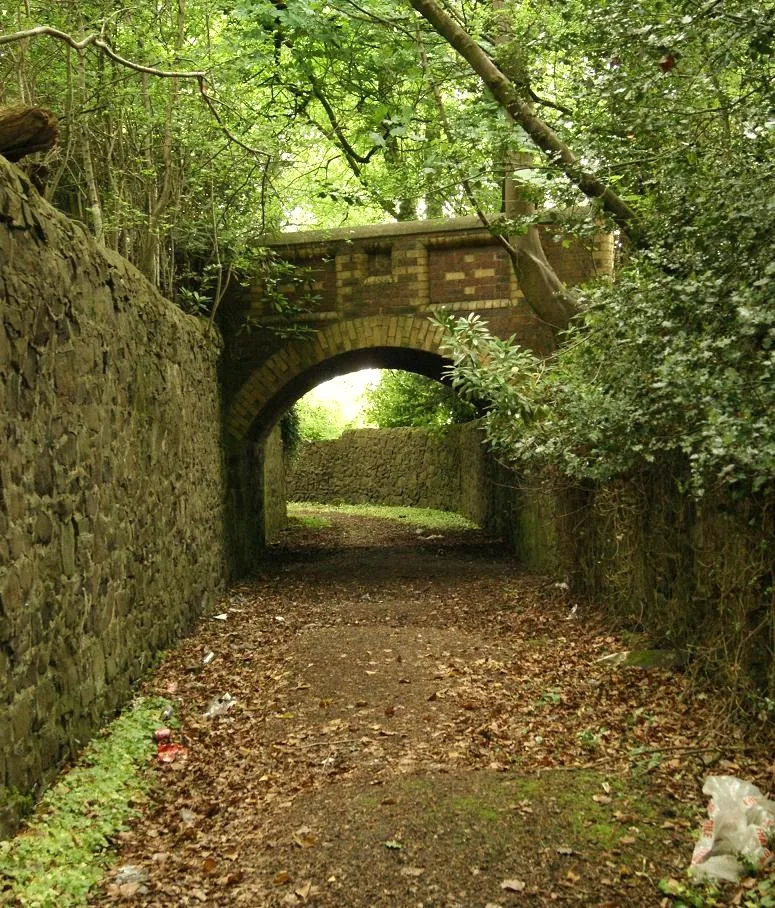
pixel 168 753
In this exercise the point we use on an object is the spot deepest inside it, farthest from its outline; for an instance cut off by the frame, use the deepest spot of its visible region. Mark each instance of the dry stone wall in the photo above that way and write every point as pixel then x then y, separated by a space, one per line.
pixel 404 466
pixel 111 484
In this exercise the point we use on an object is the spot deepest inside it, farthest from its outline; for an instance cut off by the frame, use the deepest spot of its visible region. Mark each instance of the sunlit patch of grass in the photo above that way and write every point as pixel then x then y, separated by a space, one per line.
pixel 64 848
pixel 427 518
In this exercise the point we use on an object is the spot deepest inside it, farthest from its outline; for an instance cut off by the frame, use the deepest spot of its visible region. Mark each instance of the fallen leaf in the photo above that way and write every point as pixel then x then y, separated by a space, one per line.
pixel 513 885
pixel 304 837
pixel 304 890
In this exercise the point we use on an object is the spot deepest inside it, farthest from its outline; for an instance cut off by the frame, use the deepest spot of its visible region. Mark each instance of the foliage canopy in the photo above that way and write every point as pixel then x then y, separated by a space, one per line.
pixel 407 399
pixel 655 118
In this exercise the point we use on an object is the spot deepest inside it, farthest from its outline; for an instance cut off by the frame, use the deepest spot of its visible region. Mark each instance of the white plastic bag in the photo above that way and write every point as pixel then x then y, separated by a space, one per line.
pixel 740 828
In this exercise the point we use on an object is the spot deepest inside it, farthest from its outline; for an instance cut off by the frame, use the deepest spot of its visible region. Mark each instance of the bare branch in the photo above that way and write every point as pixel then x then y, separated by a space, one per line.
pixel 99 42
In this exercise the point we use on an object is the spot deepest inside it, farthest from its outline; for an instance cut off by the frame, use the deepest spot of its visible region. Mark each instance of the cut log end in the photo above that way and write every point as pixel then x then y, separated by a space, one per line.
pixel 25 130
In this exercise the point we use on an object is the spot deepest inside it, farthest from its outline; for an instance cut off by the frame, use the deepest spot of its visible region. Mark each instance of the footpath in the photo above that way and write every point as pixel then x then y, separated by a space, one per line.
pixel 394 717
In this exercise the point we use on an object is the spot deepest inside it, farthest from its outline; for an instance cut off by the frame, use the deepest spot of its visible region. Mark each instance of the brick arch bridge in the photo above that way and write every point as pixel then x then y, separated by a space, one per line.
pixel 409 342
pixel 374 290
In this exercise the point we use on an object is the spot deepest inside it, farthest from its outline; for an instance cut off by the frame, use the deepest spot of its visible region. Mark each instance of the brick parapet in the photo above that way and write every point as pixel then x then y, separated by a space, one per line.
pixel 406 270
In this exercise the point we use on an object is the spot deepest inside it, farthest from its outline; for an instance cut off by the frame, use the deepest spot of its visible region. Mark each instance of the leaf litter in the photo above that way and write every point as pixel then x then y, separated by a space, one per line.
pixel 412 721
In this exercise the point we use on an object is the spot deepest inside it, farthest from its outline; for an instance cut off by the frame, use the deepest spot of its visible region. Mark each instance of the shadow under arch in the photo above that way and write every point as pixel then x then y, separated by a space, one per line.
pixel 409 343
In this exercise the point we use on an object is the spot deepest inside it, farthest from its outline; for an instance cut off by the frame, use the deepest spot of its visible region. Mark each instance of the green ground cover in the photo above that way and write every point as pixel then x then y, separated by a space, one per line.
pixel 428 518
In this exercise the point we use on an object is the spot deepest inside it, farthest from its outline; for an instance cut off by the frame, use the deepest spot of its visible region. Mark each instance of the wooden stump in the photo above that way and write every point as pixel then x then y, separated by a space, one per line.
pixel 25 130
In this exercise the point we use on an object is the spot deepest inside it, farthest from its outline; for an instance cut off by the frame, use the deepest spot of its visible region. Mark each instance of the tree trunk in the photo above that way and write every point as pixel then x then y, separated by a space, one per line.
pixel 92 189
pixel 505 93
pixel 25 130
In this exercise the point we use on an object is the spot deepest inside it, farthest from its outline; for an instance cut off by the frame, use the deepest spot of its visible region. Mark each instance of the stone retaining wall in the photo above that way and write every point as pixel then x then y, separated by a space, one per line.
pixel 111 484
pixel 698 576
pixel 405 467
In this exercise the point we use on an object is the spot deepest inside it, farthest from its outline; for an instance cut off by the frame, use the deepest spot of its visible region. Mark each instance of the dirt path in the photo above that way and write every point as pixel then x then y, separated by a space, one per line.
pixel 418 723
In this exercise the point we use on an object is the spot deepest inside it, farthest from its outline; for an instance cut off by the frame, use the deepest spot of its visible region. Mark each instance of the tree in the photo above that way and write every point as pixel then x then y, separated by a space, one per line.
pixel 406 399
pixel 319 421
pixel 146 159
pixel 673 362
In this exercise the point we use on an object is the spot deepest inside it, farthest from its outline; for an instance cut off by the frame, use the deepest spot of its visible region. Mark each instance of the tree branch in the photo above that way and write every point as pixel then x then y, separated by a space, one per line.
pixel 346 147
pixel 544 291
pixel 505 93
pixel 96 40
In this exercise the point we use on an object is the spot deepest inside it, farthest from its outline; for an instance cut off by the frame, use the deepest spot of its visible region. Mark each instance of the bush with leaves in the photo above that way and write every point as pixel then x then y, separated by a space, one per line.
pixel 674 362
pixel 407 399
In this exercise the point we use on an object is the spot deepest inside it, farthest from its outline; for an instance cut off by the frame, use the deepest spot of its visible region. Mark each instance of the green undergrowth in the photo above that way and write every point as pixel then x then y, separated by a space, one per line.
pixel 428 518
pixel 751 893
pixel 64 848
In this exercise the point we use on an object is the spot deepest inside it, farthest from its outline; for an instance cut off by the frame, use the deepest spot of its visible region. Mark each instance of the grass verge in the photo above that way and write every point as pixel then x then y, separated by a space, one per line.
pixel 427 518
pixel 65 846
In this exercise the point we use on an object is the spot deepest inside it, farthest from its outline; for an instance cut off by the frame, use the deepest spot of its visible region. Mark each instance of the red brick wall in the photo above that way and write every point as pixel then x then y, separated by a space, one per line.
pixel 476 273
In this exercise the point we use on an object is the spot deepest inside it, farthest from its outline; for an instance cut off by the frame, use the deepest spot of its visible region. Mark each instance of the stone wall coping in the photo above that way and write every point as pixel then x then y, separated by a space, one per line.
pixel 376 231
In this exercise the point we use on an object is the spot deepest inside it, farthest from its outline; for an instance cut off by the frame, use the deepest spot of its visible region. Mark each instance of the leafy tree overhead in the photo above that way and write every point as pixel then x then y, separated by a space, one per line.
pixel 320 420
pixel 673 362
pixel 406 399
pixel 655 120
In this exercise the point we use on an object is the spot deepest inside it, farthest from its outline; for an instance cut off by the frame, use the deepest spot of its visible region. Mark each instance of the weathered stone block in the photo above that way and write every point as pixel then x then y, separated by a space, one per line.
pixel 67 547
pixel 44 527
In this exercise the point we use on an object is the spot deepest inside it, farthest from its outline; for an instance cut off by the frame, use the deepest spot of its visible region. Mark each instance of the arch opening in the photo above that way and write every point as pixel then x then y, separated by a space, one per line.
pixel 421 362
pixel 256 460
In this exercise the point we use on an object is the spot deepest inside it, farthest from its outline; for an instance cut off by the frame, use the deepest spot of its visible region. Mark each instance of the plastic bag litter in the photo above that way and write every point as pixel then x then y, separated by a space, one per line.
pixel 219 706
pixel 738 833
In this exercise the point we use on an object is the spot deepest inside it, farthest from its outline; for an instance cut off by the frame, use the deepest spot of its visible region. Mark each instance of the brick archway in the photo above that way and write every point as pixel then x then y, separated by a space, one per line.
pixel 408 342
pixel 374 289
pixel 367 294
